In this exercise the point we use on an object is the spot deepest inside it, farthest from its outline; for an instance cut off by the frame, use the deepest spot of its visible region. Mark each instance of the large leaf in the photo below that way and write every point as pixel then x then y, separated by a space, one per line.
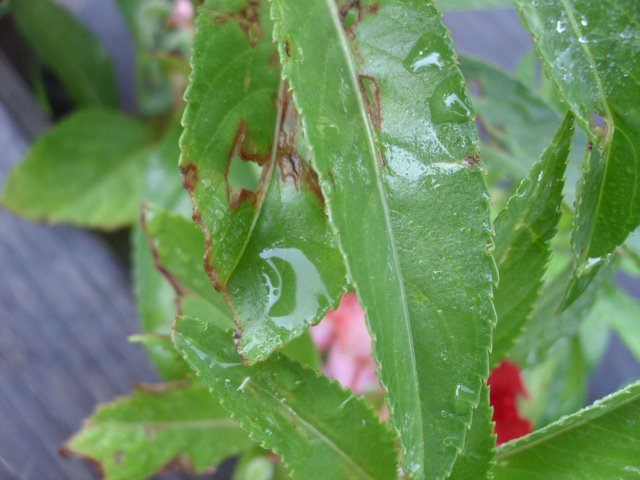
pixel 88 171
pixel 598 442
pixel 268 244
pixel 69 49
pixel 320 430
pixel 587 49
pixel 395 148
pixel 523 232
pixel 158 427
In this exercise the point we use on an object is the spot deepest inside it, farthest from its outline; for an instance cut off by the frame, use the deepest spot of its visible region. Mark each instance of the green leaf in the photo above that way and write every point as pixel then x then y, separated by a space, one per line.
pixel 320 430
pixel 157 427
pixel 230 114
pixel 259 464
pixel 268 243
pixel 476 458
pixel 519 124
pixel 457 5
pixel 598 442
pixel 423 273
pixel 155 297
pixel 548 328
pixel 88 170
pixel 586 49
pixel 69 49
pixel 524 230
pixel 622 312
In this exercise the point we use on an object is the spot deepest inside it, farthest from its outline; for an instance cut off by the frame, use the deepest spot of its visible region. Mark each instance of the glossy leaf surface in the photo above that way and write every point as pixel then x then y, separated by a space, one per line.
pixel 137 436
pixel 573 447
pixel 587 50
pixel 524 230
pixel 320 430
pixel 385 160
pixel 88 171
pixel 69 49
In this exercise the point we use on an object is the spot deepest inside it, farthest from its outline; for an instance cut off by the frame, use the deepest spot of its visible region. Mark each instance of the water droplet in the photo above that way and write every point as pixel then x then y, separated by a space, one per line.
pixel 425 55
pixel 582 39
pixel 439 312
pixel 294 287
pixel 464 397
pixel 584 21
pixel 561 26
pixel 449 103
pixel 243 384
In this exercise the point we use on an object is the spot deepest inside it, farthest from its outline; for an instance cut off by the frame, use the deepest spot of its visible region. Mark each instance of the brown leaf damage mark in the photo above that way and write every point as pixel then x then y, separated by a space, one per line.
pixel 248 20
pixel 175 284
pixel 293 167
pixel 352 12
pixel 370 92
pixel 471 161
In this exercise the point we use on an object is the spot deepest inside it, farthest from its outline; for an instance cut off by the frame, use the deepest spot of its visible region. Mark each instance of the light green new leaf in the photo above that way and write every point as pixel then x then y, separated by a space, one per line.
pixel 519 124
pixel 88 170
pixel 269 246
pixel 622 312
pixel 320 430
pixel 547 327
pixel 395 148
pixel 598 442
pixel 68 49
pixel 524 230
pixel 458 5
pixel 476 458
pixel 158 426
pixel 588 49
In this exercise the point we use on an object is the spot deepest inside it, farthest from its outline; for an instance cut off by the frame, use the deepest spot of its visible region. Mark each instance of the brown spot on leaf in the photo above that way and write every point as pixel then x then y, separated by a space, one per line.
pixel 274 60
pixel 287 48
pixel 248 20
pixel 471 161
pixel 189 177
pixel 360 10
pixel 590 145
pixel 370 92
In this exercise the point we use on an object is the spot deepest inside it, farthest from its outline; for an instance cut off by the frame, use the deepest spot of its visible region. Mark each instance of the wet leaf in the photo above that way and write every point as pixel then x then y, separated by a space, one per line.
pixel 524 230
pixel 88 170
pixel 395 148
pixel 268 243
pixel 320 430
pixel 598 442
pixel 586 49
pixel 70 50
pixel 158 426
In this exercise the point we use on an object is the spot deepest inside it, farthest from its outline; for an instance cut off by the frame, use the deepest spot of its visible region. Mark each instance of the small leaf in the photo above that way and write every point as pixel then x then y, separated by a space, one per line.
pixel 396 151
pixel 476 458
pixel 69 49
pixel 586 49
pixel 158 426
pixel 598 442
pixel 622 312
pixel 88 170
pixel 524 230
pixel 320 430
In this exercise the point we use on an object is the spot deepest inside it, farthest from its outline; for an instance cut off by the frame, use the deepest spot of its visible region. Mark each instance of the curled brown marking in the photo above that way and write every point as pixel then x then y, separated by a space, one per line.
pixel 370 92
pixel 360 10
pixel 189 177
pixel 287 48
pixel 66 452
pixel 590 145
pixel 248 20
pixel 173 281
pixel 331 179
pixel 471 161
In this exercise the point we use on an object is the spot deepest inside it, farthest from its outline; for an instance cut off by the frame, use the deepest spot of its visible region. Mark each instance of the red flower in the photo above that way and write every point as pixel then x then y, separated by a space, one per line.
pixel 506 386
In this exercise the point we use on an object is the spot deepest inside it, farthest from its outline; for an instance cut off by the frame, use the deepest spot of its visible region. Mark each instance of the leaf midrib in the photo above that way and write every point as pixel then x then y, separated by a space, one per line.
pixel 346 50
